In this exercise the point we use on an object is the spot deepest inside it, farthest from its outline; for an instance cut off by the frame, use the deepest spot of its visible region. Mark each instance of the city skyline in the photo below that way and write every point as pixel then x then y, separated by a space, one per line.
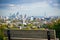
pixel 30 7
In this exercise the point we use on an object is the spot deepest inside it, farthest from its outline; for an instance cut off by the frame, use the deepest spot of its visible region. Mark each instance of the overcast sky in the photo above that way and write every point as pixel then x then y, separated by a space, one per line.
pixel 30 7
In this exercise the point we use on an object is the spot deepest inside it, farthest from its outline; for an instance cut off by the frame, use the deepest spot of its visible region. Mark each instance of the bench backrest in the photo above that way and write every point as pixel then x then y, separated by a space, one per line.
pixel 31 34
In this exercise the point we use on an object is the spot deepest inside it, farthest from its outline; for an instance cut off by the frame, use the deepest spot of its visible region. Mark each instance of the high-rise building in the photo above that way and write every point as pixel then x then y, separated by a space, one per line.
pixel 24 19
pixel 32 18
pixel 17 15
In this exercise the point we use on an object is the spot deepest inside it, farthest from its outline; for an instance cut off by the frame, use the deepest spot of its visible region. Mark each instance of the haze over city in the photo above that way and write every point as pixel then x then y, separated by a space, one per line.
pixel 30 7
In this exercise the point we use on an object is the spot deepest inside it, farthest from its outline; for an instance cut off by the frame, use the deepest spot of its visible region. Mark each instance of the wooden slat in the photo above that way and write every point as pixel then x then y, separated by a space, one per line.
pixel 30 34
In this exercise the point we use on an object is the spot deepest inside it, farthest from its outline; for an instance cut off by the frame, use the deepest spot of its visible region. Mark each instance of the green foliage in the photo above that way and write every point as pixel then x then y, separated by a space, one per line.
pixel 45 26
pixel 1 32
pixel 55 25
pixel 27 28
pixel 20 24
pixel 57 28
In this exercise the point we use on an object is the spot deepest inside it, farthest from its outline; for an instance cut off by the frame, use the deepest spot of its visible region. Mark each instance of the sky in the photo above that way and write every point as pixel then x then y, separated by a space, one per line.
pixel 30 7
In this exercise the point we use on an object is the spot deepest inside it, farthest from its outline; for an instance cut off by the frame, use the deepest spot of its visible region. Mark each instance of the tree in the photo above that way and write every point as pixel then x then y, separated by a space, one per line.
pixel 56 26
pixel 1 32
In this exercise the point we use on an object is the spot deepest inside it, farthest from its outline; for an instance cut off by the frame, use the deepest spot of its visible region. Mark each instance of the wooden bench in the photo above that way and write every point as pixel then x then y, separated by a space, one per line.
pixel 30 34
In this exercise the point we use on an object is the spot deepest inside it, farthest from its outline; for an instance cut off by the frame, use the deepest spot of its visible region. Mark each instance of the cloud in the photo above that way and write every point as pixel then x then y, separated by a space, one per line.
pixel 54 3
pixel 34 9
pixel 32 6
pixel 7 5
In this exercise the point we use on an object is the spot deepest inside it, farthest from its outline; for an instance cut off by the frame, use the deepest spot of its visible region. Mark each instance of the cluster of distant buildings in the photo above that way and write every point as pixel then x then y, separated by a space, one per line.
pixel 23 19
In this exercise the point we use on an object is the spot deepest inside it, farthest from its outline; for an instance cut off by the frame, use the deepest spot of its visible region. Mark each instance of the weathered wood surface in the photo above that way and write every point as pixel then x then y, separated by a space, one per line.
pixel 40 34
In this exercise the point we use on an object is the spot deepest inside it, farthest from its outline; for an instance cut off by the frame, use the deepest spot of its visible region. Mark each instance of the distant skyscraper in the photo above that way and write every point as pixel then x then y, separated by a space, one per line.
pixel 0 16
pixel 45 15
pixel 12 16
pixel 25 16
pixel 17 13
pixel 32 18
pixel 21 17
